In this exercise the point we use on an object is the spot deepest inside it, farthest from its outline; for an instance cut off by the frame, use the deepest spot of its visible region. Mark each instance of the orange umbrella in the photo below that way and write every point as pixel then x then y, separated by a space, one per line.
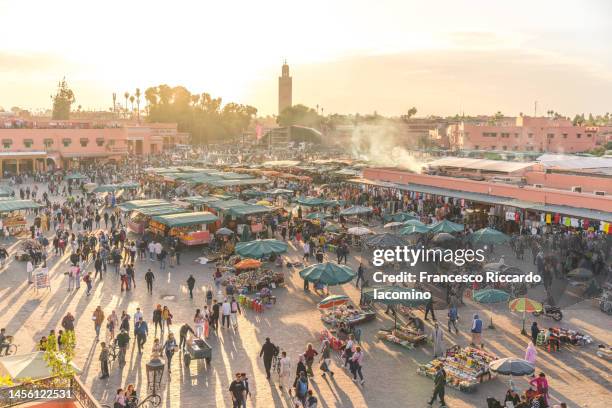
pixel 248 264
pixel 526 306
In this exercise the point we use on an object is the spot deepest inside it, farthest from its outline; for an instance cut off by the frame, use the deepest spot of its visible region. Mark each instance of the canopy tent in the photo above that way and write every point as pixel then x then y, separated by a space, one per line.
pixel 446 226
pixel 17 205
pixel 134 204
pixel 6 191
pixel 160 210
pixel 311 201
pixel 75 176
pixel 107 188
pixel 359 231
pixel 29 365
pixel 199 200
pixel 356 210
pixel 414 229
pixel 489 297
pixel 224 231
pixel 385 241
pixel 328 273
pixel 318 216
pixel 399 217
pixel 488 236
pixel 224 205
pixel 261 248
pixel 278 191
pixel 234 183
pixel 249 209
pixel 253 193
pixel 333 300
pixel 186 219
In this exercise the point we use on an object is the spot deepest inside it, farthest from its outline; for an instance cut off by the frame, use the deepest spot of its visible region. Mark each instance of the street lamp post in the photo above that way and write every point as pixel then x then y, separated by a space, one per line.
pixel 155 371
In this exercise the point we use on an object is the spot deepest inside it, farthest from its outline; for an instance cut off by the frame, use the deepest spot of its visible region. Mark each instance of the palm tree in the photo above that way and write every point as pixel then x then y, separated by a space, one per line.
pixel 132 98
pixel 114 102
pixel 126 95
pixel 138 103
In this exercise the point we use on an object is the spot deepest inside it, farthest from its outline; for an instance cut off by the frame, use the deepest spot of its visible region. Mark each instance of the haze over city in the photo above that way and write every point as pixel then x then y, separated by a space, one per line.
pixel 345 56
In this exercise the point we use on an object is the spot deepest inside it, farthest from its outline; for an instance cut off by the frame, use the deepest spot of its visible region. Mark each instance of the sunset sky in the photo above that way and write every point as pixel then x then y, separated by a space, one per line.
pixel 443 56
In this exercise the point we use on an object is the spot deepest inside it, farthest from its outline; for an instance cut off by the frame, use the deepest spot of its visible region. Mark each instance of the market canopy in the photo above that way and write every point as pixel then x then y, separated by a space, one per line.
pixel 399 217
pixel 29 365
pixel 385 241
pixel 317 216
pixel 249 209
pixel 17 205
pixel 199 200
pixel 107 188
pixel 261 248
pixel 446 226
pixel 512 366
pixel 279 191
pixel 311 201
pixel 186 219
pixel 160 210
pixel 488 236
pixel 75 176
pixel 224 205
pixel 356 210
pixel 414 229
pixel 134 204
pixel 328 273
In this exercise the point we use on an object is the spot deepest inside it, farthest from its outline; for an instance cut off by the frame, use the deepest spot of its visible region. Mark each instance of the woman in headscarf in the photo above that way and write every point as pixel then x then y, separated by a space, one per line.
pixel 531 353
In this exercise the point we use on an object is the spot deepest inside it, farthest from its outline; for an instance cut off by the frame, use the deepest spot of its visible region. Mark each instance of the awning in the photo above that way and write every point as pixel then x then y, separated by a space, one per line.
pixel 16 205
pixel 135 204
pixel 249 209
pixel 159 210
pixel 186 219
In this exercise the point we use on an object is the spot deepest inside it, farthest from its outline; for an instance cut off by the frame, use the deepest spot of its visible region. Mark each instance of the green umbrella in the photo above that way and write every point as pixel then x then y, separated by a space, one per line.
pixel 399 217
pixel 414 229
pixel 331 228
pixel 395 295
pixel 489 236
pixel 261 248
pixel 446 226
pixel 489 297
pixel 414 222
pixel 356 210
pixel 328 273
pixel 311 201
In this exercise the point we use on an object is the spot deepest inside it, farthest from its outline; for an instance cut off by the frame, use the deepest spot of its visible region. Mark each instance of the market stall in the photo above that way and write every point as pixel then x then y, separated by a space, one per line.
pixel 136 204
pixel 13 218
pixel 348 315
pixel 465 367
pixel 190 228
pixel 140 217
pixel 404 336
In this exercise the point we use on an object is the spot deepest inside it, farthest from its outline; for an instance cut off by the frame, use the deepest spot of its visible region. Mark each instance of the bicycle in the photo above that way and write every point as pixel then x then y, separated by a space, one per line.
pixel 12 347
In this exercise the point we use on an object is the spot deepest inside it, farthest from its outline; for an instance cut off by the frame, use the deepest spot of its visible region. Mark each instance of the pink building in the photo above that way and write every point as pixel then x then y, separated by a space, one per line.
pixel 39 144
pixel 531 134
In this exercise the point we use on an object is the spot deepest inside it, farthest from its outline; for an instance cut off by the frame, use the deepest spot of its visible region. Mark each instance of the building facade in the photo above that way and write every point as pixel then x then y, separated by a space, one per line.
pixel 528 134
pixel 40 144
pixel 284 89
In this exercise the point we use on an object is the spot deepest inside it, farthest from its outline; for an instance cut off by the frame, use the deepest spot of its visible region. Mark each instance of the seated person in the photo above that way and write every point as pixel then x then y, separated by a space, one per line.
pixel 417 323
pixel 343 331
pixel 513 397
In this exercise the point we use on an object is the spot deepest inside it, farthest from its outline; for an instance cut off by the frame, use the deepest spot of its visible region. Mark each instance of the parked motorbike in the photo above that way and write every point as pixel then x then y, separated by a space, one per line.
pixel 550 311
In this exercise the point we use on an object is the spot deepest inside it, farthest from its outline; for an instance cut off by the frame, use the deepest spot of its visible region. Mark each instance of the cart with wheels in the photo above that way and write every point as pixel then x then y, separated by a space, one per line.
pixel 197 349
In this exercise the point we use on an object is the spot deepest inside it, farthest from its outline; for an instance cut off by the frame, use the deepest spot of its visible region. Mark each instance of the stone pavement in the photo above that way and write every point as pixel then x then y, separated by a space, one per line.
pixel 577 376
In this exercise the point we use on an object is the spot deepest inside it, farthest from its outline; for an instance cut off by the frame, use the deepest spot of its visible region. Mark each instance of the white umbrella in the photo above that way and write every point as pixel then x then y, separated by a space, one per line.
pixel 393 224
pixel 359 231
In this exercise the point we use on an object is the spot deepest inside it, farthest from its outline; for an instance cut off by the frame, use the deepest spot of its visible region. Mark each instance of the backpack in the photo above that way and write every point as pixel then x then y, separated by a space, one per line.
pixel 302 388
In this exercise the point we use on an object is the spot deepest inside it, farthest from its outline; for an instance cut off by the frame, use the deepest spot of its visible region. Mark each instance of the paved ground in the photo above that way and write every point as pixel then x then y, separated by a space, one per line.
pixel 577 376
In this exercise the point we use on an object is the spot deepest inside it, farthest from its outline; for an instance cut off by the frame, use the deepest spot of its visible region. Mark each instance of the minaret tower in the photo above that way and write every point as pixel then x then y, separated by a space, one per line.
pixel 284 89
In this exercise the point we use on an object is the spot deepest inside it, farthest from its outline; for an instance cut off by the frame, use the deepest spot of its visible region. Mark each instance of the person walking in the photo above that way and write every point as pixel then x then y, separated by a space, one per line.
pixel 437 336
pixel 535 331
pixel 326 359
pixel 226 310
pixel 453 316
pixel 356 365
pixel 360 273
pixel 238 391
pixel 122 341
pixel 439 384
pixel 429 307
pixel 234 309
pixel 477 332
pixel 30 270
pixel 103 361
pixel 309 355
pixel 98 319
pixel 285 371
pixel 157 319
pixel 166 318
pixel 88 282
pixel 531 353
pixel 170 348
pixel 301 388
pixel 198 322
pixel 149 278
pixel 142 331
pixel 190 285
pixel 111 325
pixel 268 351
pixel 214 317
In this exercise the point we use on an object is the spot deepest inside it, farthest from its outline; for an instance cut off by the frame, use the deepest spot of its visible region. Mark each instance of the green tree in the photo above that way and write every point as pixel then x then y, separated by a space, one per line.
pixel 299 115
pixel 60 360
pixel 62 101
pixel 137 93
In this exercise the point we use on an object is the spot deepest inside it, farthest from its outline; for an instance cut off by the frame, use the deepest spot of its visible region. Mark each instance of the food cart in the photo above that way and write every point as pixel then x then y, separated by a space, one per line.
pixel 140 217
pixel 197 349
pixel 190 228
pixel 12 217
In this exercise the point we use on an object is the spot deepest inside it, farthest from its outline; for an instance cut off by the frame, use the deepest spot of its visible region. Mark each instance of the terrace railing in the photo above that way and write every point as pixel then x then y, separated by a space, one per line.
pixel 42 390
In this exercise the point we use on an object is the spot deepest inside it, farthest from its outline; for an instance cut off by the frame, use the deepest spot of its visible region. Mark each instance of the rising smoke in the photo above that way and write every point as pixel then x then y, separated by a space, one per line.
pixel 382 145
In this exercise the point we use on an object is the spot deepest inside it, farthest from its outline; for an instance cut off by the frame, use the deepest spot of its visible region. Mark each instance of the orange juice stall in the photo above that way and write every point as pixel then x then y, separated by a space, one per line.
pixel 191 228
